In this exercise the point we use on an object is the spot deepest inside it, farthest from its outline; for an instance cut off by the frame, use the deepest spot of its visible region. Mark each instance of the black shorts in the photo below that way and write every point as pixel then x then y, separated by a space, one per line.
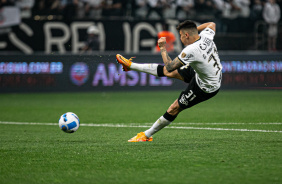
pixel 193 93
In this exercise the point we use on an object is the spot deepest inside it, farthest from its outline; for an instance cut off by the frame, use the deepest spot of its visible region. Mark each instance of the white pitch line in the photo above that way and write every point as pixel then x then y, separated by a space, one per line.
pixel 226 129
pixel 270 123
pixel 143 126
pixel 25 123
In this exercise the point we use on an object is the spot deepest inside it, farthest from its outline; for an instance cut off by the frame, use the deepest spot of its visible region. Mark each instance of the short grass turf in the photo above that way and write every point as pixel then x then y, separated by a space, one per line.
pixel 45 154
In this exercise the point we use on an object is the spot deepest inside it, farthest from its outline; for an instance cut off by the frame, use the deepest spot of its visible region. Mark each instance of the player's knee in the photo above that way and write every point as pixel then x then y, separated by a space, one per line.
pixel 174 109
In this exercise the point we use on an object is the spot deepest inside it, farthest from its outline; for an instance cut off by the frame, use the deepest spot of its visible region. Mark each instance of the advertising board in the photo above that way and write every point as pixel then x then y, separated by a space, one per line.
pixel 45 73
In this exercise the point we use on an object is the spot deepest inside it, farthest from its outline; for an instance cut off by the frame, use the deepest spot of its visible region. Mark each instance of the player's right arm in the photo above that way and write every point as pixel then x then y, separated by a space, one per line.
pixel 210 25
pixel 170 64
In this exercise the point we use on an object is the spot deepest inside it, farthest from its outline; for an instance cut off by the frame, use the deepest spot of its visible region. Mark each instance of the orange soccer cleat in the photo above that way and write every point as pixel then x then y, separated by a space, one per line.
pixel 126 63
pixel 141 137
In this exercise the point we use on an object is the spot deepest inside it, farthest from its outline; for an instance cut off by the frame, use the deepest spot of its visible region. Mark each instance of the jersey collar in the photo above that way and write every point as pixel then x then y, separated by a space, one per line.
pixel 198 39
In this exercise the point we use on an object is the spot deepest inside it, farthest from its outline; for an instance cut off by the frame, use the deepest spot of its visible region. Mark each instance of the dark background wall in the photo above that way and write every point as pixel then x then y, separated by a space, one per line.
pixel 57 36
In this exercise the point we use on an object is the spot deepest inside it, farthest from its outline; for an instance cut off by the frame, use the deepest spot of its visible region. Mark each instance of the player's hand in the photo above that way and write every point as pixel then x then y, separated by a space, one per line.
pixel 162 42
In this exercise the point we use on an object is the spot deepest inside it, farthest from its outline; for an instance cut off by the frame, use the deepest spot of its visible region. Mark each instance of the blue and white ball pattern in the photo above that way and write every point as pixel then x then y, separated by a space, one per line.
pixel 69 122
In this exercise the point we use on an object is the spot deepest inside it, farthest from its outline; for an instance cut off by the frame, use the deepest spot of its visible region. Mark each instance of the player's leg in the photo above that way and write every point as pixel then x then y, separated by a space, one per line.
pixel 168 117
pixel 162 122
pixel 127 65
pixel 156 70
pixel 187 99
pixel 150 68
pixel 186 74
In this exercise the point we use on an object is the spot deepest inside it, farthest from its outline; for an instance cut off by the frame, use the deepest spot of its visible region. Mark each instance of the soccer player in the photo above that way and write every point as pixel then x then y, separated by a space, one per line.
pixel 198 64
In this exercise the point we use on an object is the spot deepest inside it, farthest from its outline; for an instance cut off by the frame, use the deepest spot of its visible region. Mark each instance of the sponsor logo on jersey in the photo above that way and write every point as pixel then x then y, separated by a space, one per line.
pixel 207 42
pixel 203 46
pixel 183 55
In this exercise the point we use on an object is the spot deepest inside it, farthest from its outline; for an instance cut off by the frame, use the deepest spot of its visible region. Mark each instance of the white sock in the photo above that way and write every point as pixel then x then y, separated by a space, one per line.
pixel 157 126
pixel 147 68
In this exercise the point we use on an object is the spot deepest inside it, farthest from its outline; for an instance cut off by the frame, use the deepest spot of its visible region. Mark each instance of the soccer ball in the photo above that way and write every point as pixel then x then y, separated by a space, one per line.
pixel 69 122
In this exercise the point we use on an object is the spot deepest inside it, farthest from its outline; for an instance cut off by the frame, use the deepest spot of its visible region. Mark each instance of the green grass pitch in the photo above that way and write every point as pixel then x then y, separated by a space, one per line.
pixel 236 137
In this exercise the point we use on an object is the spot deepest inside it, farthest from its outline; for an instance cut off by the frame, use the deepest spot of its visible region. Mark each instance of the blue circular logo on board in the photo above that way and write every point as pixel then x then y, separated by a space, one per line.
pixel 79 73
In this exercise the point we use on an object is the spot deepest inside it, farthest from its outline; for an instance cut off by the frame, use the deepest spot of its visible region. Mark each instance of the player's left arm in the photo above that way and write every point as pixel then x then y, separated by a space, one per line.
pixel 170 64
pixel 210 25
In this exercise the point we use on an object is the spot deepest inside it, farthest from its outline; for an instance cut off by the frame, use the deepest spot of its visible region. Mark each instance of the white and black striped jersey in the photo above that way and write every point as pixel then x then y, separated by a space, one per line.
pixel 203 57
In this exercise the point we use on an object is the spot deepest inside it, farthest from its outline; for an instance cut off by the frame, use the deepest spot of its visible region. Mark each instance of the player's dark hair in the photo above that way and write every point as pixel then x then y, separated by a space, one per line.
pixel 188 25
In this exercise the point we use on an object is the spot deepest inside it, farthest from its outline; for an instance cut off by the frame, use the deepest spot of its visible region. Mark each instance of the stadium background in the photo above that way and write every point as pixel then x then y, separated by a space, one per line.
pixel 29 46
pixel 45 32
pixel 233 138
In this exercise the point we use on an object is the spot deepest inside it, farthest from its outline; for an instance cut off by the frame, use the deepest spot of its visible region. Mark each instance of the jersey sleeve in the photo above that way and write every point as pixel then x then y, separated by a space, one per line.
pixel 186 56
pixel 208 32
